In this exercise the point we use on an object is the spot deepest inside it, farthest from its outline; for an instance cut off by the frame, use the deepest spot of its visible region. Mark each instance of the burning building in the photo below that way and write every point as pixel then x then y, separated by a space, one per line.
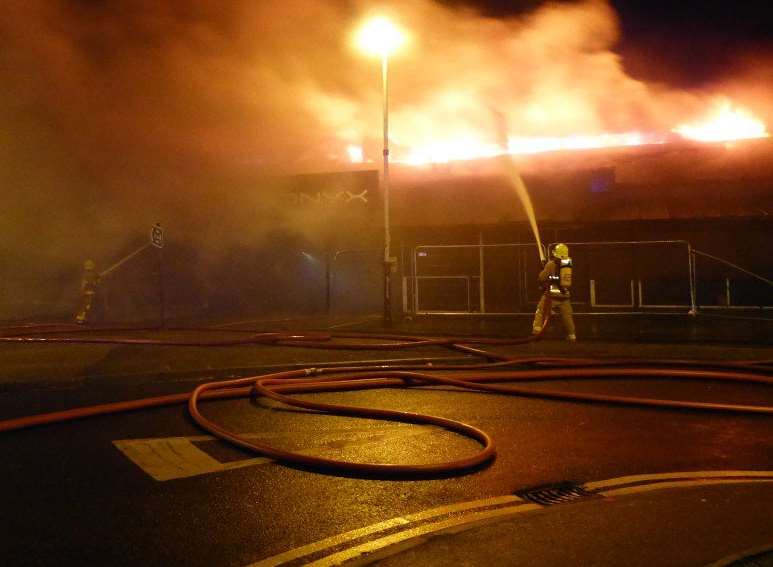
pixel 717 197
pixel 116 116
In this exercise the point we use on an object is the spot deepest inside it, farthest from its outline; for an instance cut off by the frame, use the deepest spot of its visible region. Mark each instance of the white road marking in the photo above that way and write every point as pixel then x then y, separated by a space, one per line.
pixel 169 458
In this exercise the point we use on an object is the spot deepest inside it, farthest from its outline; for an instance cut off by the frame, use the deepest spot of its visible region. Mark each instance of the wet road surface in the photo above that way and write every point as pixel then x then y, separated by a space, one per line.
pixel 149 488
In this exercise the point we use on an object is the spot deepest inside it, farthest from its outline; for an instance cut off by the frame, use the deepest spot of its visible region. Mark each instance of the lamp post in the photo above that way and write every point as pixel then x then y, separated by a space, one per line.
pixel 381 37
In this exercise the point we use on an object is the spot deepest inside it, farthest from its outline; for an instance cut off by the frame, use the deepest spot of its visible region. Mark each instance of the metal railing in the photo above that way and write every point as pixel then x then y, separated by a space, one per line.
pixel 468 287
pixel 638 283
pixel 623 276
pixel 726 292
pixel 475 268
pixel 595 303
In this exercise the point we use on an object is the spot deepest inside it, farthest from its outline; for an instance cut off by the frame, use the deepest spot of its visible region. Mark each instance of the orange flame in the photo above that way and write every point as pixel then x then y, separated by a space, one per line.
pixel 472 147
pixel 727 124
pixel 476 88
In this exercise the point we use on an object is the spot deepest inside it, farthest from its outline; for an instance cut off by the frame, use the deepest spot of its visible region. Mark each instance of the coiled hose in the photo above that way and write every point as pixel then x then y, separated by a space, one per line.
pixel 484 376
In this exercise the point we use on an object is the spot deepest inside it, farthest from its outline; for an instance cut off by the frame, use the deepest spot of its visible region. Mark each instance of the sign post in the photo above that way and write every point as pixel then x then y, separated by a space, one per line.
pixel 157 240
pixel 157 236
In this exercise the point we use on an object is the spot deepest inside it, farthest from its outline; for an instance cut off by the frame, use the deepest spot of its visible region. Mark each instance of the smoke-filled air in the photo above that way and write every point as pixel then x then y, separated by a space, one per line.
pixel 117 114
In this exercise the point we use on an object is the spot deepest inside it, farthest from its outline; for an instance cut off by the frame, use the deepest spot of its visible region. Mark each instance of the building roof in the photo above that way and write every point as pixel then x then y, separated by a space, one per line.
pixel 669 181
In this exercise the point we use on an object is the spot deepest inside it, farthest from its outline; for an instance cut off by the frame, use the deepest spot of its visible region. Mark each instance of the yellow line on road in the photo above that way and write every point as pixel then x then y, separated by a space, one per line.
pixel 352 535
pixel 467 522
pixel 674 476
pixel 680 484
pixel 509 505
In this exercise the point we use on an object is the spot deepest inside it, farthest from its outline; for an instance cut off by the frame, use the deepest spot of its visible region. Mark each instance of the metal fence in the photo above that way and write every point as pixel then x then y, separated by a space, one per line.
pixel 474 278
pixel 636 276
pixel 726 285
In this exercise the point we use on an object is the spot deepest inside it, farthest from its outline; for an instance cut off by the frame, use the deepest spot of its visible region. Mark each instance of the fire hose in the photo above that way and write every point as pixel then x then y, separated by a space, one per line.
pixel 489 377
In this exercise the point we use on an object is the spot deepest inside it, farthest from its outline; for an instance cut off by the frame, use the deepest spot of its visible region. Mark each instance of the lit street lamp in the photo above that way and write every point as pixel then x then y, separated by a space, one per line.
pixel 380 37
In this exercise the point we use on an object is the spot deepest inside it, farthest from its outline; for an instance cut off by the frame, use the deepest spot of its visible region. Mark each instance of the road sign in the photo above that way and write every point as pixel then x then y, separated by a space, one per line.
pixel 157 235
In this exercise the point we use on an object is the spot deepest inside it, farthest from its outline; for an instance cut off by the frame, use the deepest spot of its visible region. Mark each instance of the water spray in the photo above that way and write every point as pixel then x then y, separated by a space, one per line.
pixel 515 179
pixel 123 260
pixel 516 182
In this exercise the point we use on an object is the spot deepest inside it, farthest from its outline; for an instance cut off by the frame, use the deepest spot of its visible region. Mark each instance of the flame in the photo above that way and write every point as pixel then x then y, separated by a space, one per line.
pixel 471 147
pixel 452 149
pixel 548 81
pixel 727 124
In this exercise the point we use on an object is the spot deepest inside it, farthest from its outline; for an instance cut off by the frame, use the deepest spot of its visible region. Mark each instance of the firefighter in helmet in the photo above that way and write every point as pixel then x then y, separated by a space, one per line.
pixel 556 279
pixel 89 284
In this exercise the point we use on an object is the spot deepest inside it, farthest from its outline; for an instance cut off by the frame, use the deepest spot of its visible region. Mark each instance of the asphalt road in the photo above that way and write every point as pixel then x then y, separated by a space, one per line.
pixel 149 488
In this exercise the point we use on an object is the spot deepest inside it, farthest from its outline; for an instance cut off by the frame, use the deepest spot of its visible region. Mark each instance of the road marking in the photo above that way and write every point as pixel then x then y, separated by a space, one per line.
pixel 634 479
pixel 467 522
pixel 170 458
pixel 352 535
pixel 680 484
pixel 508 505
pixel 474 520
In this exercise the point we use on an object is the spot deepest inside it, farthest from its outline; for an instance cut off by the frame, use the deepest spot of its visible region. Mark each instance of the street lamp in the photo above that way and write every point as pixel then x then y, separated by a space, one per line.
pixel 380 37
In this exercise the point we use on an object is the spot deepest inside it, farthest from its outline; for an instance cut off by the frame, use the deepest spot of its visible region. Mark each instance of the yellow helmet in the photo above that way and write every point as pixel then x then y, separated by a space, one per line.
pixel 561 251
pixel 89 265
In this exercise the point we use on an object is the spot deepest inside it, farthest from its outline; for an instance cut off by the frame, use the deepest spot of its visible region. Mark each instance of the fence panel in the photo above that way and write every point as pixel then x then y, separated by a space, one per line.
pixel 472 278
pixel 504 285
pixel 628 275
pixel 501 278
pixel 726 285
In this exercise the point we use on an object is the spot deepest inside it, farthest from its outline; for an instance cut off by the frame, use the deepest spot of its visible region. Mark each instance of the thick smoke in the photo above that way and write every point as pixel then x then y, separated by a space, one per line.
pixel 116 114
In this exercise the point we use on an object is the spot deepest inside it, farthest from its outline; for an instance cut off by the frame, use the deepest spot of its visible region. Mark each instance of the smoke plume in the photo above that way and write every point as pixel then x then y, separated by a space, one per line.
pixel 115 114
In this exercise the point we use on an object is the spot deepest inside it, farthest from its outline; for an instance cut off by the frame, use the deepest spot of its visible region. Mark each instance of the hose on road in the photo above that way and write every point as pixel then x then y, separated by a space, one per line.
pixel 483 377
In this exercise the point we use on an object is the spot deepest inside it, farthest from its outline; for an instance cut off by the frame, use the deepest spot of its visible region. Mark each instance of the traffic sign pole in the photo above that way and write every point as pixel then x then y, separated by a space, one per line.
pixel 157 239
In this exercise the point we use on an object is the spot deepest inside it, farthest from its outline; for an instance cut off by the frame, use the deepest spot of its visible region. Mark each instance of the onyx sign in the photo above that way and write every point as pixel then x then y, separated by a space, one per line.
pixel 340 190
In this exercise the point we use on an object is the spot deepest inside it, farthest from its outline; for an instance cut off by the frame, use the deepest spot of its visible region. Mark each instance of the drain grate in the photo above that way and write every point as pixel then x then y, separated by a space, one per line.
pixel 557 493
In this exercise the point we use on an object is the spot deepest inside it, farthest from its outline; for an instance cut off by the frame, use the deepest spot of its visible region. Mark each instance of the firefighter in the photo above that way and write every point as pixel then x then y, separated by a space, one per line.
pixel 556 281
pixel 89 284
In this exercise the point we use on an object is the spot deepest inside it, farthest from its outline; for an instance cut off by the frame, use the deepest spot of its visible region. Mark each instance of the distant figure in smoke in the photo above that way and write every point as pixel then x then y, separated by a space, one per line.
pixel 89 285
pixel 556 279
